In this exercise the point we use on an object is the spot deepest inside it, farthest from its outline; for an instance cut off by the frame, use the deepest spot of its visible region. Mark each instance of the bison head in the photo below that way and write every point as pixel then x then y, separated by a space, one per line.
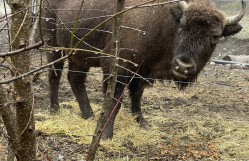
pixel 200 25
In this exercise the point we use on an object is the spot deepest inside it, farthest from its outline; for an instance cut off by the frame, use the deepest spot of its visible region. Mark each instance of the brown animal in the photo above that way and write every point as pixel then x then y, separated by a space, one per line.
pixel 171 41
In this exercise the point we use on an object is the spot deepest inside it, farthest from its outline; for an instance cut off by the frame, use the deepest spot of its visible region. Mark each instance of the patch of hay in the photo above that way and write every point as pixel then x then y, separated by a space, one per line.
pixel 127 133
pixel 68 122
pixel 175 132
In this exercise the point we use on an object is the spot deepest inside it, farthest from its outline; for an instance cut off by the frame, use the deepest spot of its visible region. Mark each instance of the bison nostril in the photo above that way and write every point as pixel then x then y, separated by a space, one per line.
pixel 184 63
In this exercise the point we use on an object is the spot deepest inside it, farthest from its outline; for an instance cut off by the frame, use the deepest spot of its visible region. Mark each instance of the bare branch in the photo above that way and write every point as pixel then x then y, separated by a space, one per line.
pixel 117 14
pixel 13 69
pixel 7 23
pixel 75 24
pixel 70 30
pixel 134 73
pixel 85 50
pixel 9 103
pixel 35 70
pixel 131 28
pixel 22 49
pixel 155 4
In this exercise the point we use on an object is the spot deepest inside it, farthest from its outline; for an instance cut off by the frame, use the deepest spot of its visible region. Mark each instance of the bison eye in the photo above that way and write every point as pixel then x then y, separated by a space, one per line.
pixel 214 39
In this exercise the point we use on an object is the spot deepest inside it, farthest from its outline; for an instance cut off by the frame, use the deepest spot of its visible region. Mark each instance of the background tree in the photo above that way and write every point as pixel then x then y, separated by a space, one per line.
pixel 25 126
pixel 108 100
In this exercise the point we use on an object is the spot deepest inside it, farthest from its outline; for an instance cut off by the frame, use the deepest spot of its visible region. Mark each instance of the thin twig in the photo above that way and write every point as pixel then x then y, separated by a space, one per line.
pixel 35 70
pixel 10 103
pixel 117 14
pixel 81 28
pixel 134 73
pixel 51 48
pixel 12 14
pixel 7 23
pixel 75 24
pixel 156 4
pixel 85 19
pixel 22 49
pixel 69 29
pixel 12 65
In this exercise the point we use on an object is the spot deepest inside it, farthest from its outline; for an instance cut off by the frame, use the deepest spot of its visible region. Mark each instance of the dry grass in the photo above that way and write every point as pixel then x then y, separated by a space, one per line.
pixel 205 136
pixel 69 122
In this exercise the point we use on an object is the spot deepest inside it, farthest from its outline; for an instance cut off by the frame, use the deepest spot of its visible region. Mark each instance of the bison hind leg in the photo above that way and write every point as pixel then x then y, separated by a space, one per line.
pixel 54 76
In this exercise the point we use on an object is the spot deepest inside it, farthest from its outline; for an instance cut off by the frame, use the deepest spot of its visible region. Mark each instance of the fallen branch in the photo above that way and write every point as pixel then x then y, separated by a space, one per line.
pixel 237 58
pixel 229 62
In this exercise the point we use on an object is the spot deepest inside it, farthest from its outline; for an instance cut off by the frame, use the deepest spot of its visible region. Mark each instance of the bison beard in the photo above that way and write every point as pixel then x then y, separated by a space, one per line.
pixel 196 22
pixel 182 85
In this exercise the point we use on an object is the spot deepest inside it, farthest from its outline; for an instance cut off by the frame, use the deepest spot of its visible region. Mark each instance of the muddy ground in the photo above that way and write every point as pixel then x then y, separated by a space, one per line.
pixel 208 121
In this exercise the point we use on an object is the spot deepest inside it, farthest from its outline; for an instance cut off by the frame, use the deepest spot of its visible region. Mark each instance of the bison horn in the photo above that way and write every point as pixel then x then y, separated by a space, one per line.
pixel 235 19
pixel 183 5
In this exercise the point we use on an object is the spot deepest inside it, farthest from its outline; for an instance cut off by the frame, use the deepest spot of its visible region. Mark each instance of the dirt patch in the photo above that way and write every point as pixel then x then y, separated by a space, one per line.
pixel 232 46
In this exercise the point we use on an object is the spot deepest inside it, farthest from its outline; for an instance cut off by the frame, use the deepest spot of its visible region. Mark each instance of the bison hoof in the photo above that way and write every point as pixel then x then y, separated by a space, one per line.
pixel 54 109
pixel 107 135
pixel 87 116
pixel 142 122
pixel 145 125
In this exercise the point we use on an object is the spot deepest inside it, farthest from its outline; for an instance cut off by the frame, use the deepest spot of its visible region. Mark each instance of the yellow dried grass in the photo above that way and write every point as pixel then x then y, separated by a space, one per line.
pixel 69 122
pixel 230 136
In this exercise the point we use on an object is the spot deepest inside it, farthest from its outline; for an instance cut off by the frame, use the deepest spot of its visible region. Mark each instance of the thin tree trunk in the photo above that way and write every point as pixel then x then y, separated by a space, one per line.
pixel 25 126
pixel 107 105
pixel 9 122
pixel 8 116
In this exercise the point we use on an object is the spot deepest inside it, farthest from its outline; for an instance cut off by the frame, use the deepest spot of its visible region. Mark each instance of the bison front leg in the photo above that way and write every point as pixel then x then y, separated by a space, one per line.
pixel 77 77
pixel 54 75
pixel 136 88
pixel 120 85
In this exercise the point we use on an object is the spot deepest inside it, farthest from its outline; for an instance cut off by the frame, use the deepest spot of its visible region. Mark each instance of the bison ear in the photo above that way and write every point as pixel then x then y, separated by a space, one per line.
pixel 176 13
pixel 231 30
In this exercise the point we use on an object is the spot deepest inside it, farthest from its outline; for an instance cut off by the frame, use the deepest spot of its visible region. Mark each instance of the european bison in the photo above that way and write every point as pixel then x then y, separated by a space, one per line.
pixel 171 41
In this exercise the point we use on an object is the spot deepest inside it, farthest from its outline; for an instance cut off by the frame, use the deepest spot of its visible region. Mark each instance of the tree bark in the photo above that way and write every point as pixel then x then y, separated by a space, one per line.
pixel 9 122
pixel 107 105
pixel 25 126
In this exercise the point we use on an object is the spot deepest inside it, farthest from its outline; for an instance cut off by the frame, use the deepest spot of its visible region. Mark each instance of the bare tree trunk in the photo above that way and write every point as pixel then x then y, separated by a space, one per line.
pixel 9 122
pixel 25 126
pixel 108 100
